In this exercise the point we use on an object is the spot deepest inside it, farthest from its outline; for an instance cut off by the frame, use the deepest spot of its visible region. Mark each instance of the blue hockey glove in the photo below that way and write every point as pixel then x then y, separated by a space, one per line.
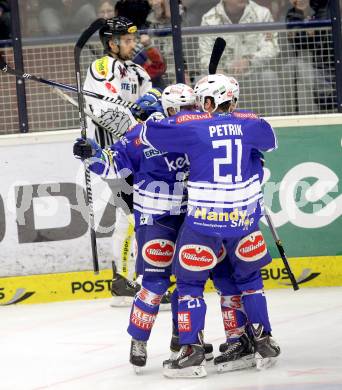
pixel 86 148
pixel 149 103
pixel 150 97
pixel 140 56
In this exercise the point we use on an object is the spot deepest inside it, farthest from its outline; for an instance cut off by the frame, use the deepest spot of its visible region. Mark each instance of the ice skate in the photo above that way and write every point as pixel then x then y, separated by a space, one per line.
pixel 175 348
pixel 138 355
pixel 266 348
pixel 189 363
pixel 237 355
pixel 123 291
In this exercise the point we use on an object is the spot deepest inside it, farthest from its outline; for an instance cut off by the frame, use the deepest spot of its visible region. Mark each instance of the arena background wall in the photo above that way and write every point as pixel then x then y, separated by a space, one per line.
pixel 45 250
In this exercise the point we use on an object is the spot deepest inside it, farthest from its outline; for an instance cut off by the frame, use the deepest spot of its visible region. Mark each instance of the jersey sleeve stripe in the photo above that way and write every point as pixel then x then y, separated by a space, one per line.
pixel 218 186
pixel 156 203
pixel 225 196
pixel 254 199
pixel 156 194
pixel 146 210
pixel 143 136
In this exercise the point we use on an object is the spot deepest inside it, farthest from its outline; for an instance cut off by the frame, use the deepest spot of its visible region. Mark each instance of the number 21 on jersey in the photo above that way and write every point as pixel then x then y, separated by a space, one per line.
pixel 228 145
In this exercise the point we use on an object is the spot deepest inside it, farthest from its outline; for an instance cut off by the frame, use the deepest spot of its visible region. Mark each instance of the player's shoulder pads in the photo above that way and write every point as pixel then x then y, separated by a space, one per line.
pixel 244 114
pixel 101 69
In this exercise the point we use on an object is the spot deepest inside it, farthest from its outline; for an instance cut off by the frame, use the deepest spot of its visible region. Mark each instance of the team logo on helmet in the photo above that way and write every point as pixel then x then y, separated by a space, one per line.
pixel 252 247
pixel 132 29
pixel 158 253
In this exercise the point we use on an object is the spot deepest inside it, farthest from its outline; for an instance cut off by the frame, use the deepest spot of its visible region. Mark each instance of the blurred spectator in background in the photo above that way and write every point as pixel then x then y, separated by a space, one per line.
pixel 299 69
pixel 325 80
pixel 5 20
pixel 310 69
pixel 194 10
pixel 160 15
pixel 146 54
pixel 278 8
pixel 247 56
pixel 105 9
pixel 66 16
pixel 29 18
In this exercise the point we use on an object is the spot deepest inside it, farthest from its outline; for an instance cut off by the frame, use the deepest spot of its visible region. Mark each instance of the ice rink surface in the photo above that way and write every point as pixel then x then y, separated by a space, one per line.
pixel 84 345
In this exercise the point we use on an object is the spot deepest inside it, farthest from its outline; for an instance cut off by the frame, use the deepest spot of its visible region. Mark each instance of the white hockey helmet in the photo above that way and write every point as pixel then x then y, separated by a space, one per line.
pixel 218 86
pixel 177 96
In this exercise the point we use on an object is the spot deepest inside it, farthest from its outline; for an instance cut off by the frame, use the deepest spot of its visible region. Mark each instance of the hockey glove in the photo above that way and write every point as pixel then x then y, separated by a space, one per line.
pixel 86 148
pixel 140 56
pixel 149 103
pixel 150 97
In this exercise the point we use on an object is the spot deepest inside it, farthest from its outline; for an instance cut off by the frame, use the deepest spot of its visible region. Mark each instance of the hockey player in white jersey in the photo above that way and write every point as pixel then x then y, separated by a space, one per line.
pixel 115 75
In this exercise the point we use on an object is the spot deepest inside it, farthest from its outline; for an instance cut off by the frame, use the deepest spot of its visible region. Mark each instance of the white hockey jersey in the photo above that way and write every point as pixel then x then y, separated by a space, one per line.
pixel 117 79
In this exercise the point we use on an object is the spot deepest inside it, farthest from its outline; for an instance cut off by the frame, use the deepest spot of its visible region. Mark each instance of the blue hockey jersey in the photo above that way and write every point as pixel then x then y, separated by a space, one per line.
pixel 224 188
pixel 158 188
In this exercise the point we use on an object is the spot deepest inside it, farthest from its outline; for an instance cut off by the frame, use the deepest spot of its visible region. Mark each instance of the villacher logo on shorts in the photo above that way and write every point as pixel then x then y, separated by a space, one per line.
pixel 252 247
pixel 197 257
pixel 158 253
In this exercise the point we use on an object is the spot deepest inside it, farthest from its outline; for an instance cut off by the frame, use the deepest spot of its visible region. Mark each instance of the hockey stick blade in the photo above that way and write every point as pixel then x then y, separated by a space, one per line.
pixel 281 250
pixel 216 54
pixel 83 39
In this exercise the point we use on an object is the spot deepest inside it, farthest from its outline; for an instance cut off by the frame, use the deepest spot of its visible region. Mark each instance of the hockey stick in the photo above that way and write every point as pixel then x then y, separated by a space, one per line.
pixel 7 69
pixel 77 54
pixel 216 54
pixel 281 250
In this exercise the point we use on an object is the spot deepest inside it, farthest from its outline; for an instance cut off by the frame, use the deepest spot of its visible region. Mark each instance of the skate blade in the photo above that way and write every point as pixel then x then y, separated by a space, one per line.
pixel 240 364
pixel 137 369
pixel 264 363
pixel 209 356
pixel 165 307
pixel 188 372
pixel 121 301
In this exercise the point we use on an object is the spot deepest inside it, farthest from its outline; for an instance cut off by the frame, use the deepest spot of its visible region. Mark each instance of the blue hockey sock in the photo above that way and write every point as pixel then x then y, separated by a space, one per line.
pixel 191 317
pixel 174 309
pixel 256 308
pixel 233 315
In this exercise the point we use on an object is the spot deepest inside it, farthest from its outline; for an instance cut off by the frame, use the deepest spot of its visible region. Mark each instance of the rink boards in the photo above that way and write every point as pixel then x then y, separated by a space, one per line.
pixel 45 252
pixel 309 272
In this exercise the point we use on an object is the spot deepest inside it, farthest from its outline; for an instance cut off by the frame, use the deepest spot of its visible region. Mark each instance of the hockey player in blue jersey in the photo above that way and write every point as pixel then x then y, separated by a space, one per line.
pixel 224 206
pixel 237 351
pixel 159 206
